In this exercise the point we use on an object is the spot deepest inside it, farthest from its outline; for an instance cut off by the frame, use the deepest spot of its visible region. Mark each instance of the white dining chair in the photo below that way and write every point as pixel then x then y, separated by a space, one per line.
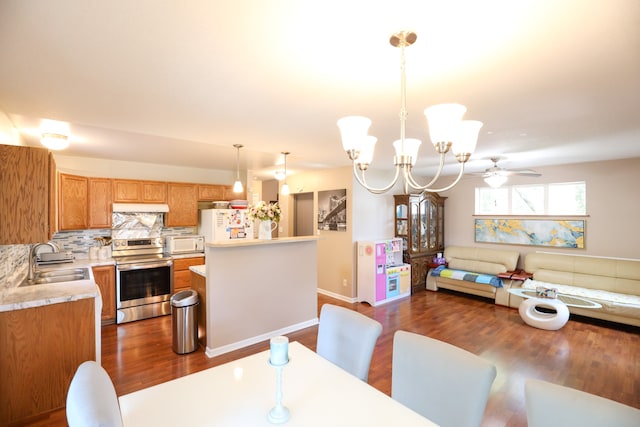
pixel 444 383
pixel 551 405
pixel 347 338
pixel 92 399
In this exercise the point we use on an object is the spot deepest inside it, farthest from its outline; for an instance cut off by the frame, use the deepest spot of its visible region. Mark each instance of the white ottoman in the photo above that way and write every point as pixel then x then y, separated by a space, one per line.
pixel 538 319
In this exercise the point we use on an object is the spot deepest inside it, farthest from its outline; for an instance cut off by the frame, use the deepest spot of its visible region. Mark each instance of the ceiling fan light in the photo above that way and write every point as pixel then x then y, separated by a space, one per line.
pixel 495 180
pixel 54 141
pixel 444 121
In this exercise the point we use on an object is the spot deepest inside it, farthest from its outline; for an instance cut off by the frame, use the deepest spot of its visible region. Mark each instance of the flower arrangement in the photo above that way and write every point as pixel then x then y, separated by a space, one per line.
pixel 263 211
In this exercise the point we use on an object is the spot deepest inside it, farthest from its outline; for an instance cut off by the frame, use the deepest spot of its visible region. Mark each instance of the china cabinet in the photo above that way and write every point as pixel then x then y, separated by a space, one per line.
pixel 419 222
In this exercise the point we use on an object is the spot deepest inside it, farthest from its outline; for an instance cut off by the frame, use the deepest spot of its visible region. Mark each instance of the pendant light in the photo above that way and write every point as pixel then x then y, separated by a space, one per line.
pixel 237 186
pixel 285 187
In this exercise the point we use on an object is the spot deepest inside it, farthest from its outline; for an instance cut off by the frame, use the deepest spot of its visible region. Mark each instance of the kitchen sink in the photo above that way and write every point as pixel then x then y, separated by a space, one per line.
pixel 57 276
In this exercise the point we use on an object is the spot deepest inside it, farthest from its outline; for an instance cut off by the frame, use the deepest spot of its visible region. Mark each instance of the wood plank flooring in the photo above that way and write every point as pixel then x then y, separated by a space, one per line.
pixel 596 357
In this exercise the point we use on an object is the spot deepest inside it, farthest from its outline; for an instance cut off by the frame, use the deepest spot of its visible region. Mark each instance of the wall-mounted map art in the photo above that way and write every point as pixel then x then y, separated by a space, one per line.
pixel 534 232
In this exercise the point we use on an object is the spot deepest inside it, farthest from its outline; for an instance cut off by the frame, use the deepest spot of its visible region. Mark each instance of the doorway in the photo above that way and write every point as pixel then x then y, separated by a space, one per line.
pixel 303 214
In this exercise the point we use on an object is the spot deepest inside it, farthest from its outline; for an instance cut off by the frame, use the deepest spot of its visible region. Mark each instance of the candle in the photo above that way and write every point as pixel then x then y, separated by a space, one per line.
pixel 279 351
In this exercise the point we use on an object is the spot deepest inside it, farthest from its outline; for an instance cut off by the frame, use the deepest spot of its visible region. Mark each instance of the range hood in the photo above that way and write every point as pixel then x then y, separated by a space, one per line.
pixel 140 207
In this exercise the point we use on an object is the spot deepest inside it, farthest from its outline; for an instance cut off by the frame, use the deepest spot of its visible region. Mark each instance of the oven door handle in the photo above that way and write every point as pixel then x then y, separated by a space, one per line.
pixel 127 267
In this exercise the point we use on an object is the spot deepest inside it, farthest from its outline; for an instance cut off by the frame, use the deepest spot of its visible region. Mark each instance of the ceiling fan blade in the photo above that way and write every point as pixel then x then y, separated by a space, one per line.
pixel 524 172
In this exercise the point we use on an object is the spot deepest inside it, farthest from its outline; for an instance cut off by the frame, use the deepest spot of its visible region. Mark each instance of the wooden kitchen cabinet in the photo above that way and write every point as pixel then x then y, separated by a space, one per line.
pixel 24 195
pixel 212 193
pixel 181 272
pixel 53 197
pixel 99 203
pixel 183 205
pixel 199 284
pixel 73 202
pixel 105 277
pixel 137 191
pixel 40 350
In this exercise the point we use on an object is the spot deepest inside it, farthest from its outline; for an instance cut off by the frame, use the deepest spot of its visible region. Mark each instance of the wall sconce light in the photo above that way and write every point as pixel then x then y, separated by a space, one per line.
pixel 237 186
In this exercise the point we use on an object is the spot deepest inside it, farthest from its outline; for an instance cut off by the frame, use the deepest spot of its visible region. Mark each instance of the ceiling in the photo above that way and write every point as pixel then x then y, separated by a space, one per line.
pixel 178 83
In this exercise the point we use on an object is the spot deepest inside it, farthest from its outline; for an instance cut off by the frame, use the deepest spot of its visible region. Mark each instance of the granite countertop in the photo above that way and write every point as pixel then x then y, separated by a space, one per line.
pixel 21 297
pixel 199 269
pixel 187 255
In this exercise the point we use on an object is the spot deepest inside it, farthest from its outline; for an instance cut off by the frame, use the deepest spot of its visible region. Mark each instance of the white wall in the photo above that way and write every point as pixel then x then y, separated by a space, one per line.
pixel 612 208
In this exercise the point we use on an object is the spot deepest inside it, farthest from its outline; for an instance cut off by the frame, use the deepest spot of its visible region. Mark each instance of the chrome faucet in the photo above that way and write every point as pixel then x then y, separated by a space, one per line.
pixel 32 256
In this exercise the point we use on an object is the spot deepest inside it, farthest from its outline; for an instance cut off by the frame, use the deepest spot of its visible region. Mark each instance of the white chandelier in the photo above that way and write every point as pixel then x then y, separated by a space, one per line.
pixel 446 128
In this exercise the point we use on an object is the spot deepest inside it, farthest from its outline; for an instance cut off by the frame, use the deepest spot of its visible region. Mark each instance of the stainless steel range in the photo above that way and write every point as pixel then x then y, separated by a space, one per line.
pixel 144 278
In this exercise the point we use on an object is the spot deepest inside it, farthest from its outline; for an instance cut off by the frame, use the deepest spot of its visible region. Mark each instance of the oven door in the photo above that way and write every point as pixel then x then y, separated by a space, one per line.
pixel 143 283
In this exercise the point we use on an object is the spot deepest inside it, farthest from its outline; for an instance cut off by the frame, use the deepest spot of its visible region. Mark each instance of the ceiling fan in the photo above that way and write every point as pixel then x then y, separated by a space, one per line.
pixel 495 176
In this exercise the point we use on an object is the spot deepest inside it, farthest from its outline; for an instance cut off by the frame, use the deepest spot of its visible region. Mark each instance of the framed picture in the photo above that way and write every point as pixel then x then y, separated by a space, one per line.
pixel 559 233
pixel 332 210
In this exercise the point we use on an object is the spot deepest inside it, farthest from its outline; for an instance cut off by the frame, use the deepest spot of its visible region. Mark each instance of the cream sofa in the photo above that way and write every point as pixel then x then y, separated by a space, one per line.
pixel 614 283
pixel 476 260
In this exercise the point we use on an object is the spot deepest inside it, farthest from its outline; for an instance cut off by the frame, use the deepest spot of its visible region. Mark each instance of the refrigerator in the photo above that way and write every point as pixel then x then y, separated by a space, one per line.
pixel 382 276
pixel 224 224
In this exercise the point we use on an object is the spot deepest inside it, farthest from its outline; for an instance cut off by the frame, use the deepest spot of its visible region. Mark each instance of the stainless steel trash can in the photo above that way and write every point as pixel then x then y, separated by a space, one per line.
pixel 184 321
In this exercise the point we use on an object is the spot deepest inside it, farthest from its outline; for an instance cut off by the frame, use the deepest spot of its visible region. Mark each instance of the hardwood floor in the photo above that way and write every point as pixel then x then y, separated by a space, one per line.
pixel 596 357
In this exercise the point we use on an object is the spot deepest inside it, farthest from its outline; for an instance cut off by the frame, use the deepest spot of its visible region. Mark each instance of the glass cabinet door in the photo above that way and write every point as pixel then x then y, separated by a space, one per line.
pixel 415 227
pixel 432 226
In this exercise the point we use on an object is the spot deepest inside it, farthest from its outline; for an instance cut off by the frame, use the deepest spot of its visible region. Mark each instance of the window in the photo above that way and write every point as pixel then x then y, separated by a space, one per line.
pixel 565 198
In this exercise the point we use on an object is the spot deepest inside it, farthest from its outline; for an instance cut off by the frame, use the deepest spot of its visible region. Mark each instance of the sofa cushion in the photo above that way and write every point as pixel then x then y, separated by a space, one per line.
pixel 615 275
pixel 485 279
pixel 481 260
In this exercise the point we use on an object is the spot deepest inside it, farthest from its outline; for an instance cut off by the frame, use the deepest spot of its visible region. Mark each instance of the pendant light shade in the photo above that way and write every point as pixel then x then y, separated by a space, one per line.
pixel 237 186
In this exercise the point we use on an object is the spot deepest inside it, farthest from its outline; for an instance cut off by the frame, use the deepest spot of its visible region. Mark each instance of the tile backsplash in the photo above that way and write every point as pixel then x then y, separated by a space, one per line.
pixel 14 259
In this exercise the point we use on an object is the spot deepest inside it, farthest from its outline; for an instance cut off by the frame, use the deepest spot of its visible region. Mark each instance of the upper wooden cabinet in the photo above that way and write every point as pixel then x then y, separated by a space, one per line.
pixel 212 192
pixel 100 203
pixel 136 191
pixel 73 202
pixel 24 195
pixel 84 202
pixel 183 205
pixel 53 197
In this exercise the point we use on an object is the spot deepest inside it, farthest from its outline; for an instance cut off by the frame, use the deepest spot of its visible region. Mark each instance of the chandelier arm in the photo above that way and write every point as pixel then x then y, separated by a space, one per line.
pixel 448 187
pixel 414 184
pixel 362 181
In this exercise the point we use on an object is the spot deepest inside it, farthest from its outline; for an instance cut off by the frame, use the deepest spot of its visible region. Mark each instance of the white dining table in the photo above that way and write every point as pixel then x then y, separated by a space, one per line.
pixel 242 392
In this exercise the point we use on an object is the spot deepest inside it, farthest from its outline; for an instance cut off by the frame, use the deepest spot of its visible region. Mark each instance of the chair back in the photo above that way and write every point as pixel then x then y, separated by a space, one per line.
pixel 444 383
pixel 92 399
pixel 551 405
pixel 347 338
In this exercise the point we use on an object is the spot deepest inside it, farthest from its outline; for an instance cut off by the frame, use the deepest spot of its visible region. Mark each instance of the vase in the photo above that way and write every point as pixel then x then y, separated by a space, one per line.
pixel 265 228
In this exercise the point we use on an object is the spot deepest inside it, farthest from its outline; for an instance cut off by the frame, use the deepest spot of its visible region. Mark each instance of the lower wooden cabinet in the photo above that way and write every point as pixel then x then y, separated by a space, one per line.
pixel 199 284
pixel 40 350
pixel 419 269
pixel 181 272
pixel 105 277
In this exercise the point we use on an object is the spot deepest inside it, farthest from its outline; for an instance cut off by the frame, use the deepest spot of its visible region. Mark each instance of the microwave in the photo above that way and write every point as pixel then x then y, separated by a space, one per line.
pixel 184 244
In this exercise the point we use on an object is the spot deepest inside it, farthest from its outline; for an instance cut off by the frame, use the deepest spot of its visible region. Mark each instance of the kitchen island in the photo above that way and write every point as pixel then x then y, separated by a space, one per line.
pixel 257 289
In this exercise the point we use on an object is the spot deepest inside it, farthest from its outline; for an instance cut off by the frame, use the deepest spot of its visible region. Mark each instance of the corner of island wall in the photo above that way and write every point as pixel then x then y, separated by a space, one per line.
pixel 257 289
